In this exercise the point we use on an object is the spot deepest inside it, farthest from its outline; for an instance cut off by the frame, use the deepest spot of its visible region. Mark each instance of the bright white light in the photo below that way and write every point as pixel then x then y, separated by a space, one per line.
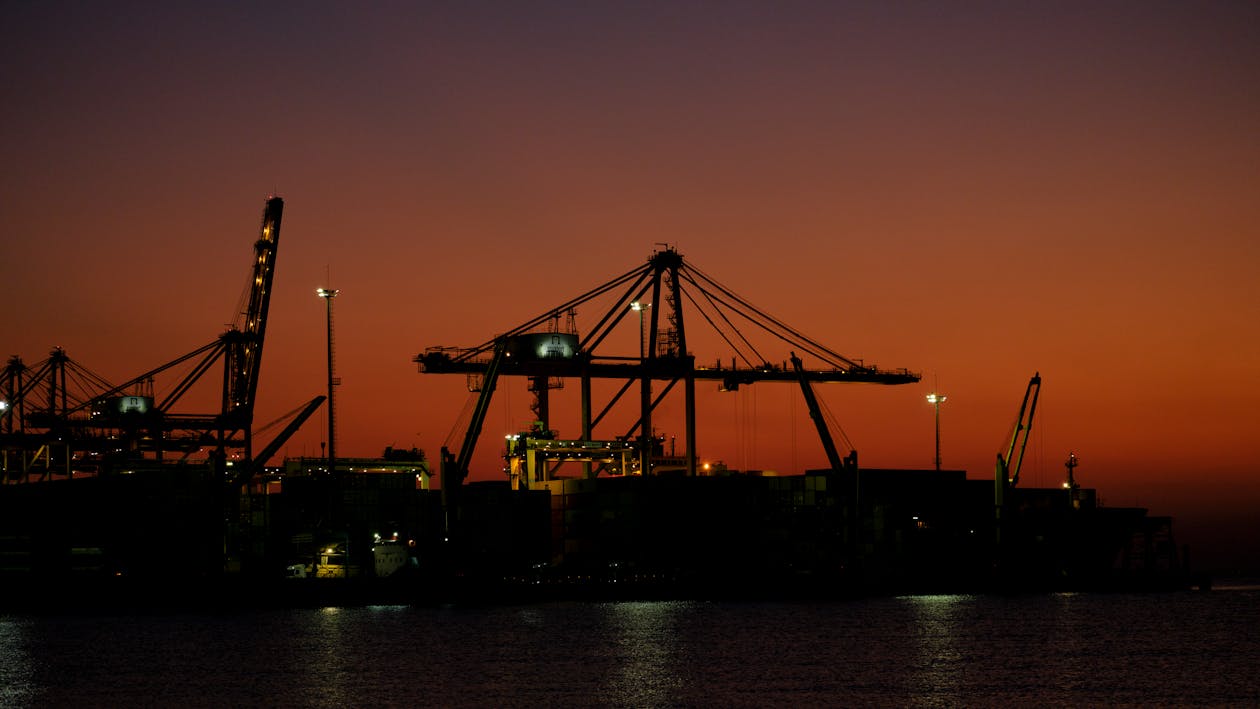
pixel 327 292
pixel 935 398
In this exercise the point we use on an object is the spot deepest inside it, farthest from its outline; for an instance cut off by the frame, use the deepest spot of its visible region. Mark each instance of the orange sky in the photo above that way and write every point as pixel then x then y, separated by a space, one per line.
pixel 976 192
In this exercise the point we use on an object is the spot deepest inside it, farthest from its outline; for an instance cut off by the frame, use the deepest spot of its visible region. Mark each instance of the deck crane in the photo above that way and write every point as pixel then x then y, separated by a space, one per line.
pixel 1006 475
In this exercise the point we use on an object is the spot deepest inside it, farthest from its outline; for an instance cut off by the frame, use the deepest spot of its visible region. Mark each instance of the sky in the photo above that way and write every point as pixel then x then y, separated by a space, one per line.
pixel 974 191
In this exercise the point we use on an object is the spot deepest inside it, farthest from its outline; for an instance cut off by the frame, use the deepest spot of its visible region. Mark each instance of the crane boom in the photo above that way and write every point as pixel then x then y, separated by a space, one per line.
pixel 251 467
pixel 455 469
pixel 246 369
pixel 1019 436
pixel 244 346
pixel 1006 474
pixel 479 414
pixel 815 413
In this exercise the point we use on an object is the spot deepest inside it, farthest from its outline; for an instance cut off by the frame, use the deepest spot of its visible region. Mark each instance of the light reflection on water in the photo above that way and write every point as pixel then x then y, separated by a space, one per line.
pixel 322 658
pixel 644 634
pixel 937 669
pixel 334 654
pixel 16 682
pixel 1052 650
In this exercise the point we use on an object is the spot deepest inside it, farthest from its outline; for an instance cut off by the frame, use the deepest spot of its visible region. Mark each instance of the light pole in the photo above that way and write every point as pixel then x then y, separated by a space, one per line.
pixel 638 307
pixel 645 397
pixel 936 400
pixel 328 294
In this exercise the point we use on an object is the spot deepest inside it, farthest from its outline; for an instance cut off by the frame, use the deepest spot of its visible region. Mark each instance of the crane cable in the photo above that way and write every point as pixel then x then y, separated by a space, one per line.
pixel 461 420
pixel 242 302
pixel 710 299
pixel 281 419
pixel 804 342
pixel 833 424
pixel 719 330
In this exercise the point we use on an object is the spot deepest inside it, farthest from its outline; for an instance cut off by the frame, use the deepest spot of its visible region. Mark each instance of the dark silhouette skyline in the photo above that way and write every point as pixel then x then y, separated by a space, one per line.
pixel 976 193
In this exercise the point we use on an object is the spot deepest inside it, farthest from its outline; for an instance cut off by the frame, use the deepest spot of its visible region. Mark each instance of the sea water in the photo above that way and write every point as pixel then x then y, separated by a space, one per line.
pixel 1191 648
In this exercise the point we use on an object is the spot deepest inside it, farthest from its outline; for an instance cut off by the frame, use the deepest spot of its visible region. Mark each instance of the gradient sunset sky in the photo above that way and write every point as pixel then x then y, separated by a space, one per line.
pixel 973 191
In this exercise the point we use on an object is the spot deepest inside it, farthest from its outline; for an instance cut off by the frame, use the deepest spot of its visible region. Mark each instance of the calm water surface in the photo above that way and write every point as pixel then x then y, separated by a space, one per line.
pixel 1052 650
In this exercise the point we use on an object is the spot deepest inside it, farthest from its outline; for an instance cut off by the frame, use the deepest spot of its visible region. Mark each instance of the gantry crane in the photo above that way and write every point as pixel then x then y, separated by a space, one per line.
pixel 532 351
pixel 59 415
